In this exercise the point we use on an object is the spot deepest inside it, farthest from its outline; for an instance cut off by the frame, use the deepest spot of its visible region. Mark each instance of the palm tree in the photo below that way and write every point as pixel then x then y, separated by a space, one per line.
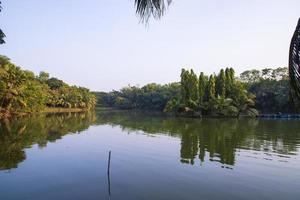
pixel 294 63
pixel 151 8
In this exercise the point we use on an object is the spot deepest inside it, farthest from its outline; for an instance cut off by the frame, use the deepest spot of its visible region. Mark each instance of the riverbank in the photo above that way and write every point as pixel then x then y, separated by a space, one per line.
pixel 63 110
pixel 280 116
pixel 198 114
pixel 5 114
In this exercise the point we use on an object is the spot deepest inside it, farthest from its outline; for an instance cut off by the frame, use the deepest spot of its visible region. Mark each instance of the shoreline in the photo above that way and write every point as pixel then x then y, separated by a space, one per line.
pixel 63 110
pixel 261 116
pixel 47 110
pixel 53 110
pixel 279 116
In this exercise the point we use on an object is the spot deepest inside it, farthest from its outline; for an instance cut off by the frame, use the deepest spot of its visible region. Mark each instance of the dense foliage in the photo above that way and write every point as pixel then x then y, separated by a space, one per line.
pixel 222 94
pixel 150 97
pixel 218 95
pixel 213 95
pixel 271 88
pixel 22 91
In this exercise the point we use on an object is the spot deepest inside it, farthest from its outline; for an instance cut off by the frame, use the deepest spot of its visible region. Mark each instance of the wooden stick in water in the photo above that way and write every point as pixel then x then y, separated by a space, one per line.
pixel 108 166
pixel 108 176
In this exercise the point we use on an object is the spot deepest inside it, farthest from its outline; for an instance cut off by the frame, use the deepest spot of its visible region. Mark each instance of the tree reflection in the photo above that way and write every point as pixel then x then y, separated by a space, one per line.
pixel 20 133
pixel 202 140
pixel 217 140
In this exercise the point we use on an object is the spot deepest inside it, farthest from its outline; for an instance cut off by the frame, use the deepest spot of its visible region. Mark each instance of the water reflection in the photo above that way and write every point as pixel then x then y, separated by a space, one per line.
pixel 20 133
pixel 219 140
pixel 216 140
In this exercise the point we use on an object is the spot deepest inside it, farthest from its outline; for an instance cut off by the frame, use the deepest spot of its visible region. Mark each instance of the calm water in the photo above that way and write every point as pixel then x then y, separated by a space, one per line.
pixel 153 157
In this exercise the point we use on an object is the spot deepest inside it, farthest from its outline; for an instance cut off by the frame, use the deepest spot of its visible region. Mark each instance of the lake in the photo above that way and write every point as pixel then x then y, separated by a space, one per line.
pixel 154 157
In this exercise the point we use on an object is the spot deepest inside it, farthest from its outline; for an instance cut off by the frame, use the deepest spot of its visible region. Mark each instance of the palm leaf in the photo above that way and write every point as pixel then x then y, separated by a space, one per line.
pixel 2 35
pixel 294 63
pixel 151 8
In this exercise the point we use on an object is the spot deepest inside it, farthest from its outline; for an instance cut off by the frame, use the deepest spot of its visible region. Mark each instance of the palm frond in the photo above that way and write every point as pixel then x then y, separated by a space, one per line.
pixel 2 35
pixel 294 63
pixel 151 8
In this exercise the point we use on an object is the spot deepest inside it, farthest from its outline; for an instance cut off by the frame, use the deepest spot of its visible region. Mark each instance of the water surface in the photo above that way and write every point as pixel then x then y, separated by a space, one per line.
pixel 64 156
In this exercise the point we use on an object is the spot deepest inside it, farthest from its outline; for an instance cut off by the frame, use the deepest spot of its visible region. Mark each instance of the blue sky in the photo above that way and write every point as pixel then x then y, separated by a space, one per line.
pixel 100 44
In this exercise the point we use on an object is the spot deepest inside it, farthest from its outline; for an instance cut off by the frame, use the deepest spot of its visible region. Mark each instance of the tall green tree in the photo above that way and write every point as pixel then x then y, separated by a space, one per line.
pixel 193 86
pixel 189 88
pixel 184 86
pixel 202 86
pixel 232 75
pixel 221 86
pixel 229 80
pixel 211 88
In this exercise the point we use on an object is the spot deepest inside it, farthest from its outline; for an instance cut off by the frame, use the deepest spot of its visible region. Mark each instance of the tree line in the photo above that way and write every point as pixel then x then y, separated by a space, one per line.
pixel 222 94
pixel 21 91
pixel 218 94
pixel 149 97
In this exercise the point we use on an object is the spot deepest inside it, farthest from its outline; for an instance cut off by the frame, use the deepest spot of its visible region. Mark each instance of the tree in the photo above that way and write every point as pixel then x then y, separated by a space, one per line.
pixel 267 73
pixel 21 91
pixel 43 76
pixel 243 101
pixel 202 86
pixel 280 73
pixel 184 86
pixel 211 88
pixel 232 75
pixel 227 81
pixel 272 92
pixel 189 88
pixel 193 86
pixel 54 83
pixel 12 78
pixel 223 106
pixel 251 76
pixel 220 86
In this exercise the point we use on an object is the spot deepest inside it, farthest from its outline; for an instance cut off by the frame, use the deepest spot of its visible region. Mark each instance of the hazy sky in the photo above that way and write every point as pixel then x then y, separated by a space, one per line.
pixel 100 44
